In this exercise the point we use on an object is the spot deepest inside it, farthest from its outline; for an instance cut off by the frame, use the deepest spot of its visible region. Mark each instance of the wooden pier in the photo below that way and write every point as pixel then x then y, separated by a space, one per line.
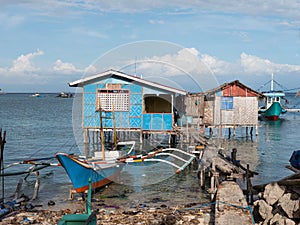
pixel 231 206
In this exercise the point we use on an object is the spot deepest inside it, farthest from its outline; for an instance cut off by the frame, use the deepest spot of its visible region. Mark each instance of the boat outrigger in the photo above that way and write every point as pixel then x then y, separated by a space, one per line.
pixel 162 155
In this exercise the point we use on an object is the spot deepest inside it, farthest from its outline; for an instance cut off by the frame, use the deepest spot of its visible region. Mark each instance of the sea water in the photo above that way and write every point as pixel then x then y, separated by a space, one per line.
pixel 40 127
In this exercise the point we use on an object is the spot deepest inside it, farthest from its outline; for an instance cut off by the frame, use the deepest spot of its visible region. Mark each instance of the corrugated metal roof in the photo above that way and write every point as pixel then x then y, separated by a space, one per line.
pixel 236 82
pixel 114 73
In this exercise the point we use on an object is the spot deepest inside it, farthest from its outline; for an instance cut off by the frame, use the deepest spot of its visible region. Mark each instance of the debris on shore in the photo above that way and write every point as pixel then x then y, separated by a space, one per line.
pixel 147 215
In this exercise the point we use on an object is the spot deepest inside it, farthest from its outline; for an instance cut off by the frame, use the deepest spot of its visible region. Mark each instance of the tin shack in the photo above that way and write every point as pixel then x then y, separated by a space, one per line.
pixel 229 105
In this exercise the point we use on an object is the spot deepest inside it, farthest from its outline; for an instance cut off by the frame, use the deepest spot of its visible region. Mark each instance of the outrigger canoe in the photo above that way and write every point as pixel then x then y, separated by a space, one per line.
pixel 101 171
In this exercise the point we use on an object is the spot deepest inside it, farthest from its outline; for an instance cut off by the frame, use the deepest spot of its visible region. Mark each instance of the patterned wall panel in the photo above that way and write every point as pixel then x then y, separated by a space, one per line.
pixel 135 122
pixel 135 110
pixel 136 98
pixel 124 119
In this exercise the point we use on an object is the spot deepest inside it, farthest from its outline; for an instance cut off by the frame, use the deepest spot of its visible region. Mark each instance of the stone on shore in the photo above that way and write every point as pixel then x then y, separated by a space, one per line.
pixel 279 205
pixel 273 192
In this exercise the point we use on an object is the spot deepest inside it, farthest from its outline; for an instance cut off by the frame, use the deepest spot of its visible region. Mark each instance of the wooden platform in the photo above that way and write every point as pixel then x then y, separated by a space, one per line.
pixel 231 207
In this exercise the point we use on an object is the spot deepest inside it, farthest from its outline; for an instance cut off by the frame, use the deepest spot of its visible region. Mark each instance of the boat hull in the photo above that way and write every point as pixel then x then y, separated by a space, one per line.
pixel 79 171
pixel 273 112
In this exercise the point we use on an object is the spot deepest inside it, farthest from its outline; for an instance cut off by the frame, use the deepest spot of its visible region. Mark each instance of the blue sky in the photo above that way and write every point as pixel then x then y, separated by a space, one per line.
pixel 47 43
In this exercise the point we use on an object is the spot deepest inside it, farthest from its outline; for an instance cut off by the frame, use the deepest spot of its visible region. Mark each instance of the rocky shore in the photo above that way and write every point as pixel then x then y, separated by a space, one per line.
pixel 278 204
pixel 163 215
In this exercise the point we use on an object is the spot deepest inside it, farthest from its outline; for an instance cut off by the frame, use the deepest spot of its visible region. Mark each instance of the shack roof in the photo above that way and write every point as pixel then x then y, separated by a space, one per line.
pixel 123 76
pixel 235 83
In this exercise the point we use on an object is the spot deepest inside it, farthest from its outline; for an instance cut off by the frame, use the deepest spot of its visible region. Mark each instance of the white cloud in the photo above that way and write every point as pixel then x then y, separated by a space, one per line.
pixel 65 68
pixel 24 63
pixel 247 65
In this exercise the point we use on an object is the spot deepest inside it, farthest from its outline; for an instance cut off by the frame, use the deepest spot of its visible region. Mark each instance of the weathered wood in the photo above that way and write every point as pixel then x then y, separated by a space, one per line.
pixel 2 143
pixel 225 166
pixel 18 189
pixel 36 187
pixel 292 169
pixel 289 180
pixel 231 207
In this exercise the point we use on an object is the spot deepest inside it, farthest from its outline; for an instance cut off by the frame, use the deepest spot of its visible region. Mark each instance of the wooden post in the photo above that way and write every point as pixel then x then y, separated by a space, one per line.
pixel 18 189
pixel 249 186
pixel 36 186
pixel 229 132
pixel 233 155
pixel 202 178
pixel 86 136
pixel 2 143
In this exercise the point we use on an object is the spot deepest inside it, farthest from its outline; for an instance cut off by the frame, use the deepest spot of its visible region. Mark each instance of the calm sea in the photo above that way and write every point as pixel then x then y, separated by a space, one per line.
pixel 40 127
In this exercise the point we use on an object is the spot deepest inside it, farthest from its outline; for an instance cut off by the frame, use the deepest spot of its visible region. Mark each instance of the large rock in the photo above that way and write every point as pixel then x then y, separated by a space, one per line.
pixel 290 204
pixel 273 193
pixel 264 210
pixel 281 220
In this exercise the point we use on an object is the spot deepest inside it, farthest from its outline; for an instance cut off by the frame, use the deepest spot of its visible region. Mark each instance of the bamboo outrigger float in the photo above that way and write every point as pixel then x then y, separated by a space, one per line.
pixel 154 156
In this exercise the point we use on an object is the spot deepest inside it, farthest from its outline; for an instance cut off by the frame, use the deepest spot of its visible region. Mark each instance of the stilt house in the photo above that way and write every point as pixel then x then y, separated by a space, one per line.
pixel 231 105
pixel 127 102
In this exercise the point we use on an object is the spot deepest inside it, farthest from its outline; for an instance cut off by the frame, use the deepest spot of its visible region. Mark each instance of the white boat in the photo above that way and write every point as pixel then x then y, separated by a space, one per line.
pixel 272 108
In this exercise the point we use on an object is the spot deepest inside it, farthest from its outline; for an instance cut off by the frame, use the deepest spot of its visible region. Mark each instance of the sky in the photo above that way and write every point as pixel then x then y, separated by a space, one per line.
pixel 45 44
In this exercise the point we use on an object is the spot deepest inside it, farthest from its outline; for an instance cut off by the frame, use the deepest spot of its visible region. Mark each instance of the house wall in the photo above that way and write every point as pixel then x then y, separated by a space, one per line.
pixel 243 112
pixel 135 118
pixel 194 105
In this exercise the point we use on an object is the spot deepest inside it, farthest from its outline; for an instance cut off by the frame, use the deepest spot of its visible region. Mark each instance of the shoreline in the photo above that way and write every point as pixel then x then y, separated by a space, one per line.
pixel 141 214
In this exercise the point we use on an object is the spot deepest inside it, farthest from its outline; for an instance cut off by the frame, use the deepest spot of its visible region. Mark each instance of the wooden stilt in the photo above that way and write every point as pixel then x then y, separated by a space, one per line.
pixel 36 186
pixel 18 189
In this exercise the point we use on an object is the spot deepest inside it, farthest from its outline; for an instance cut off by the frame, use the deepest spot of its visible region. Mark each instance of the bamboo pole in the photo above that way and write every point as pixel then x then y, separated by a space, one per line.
pixel 101 131
pixel 114 124
pixel 2 143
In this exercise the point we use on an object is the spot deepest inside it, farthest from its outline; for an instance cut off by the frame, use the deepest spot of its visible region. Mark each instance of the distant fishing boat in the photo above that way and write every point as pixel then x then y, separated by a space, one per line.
pixel 37 95
pixel 64 95
pixel 103 168
pixel 272 108
pixel 1 92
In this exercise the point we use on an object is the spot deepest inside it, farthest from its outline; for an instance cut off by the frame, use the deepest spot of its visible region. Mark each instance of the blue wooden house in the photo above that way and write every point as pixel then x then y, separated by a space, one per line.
pixel 127 102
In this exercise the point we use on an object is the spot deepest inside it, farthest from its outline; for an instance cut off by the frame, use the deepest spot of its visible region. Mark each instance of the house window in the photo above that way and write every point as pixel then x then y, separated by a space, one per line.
pixel 227 103
pixel 119 99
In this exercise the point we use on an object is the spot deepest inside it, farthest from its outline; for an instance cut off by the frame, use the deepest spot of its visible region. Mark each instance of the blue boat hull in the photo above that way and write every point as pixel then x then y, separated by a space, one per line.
pixel 79 171
pixel 295 159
